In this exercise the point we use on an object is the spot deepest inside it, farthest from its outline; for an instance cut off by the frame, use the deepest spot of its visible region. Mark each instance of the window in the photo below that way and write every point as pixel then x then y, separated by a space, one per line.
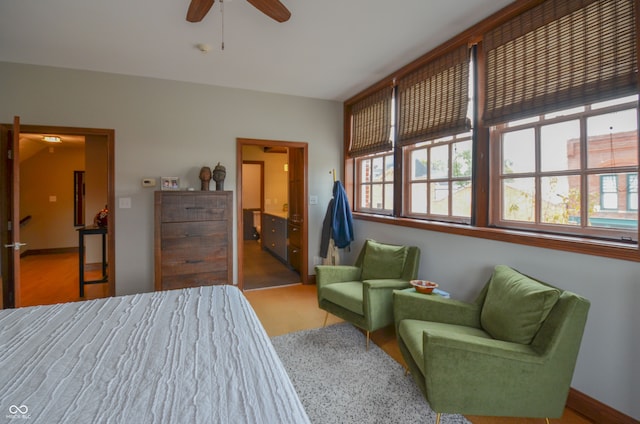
pixel 553 153
pixel 569 172
pixel 371 144
pixel 439 179
pixel 435 111
pixel 564 135
pixel 376 183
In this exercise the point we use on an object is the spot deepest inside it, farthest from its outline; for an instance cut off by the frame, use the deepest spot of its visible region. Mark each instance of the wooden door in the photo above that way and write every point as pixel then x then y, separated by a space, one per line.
pixel 10 215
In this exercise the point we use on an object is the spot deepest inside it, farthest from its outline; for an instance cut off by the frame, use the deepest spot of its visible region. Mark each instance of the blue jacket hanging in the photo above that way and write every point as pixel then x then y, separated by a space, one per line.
pixel 341 218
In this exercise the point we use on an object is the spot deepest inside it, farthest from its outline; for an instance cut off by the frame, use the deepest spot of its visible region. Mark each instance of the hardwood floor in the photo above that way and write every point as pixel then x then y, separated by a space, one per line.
pixel 293 308
pixel 53 278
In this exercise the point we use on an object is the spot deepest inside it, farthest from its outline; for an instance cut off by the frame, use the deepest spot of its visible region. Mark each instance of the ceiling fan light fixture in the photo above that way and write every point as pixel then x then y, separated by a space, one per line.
pixel 51 139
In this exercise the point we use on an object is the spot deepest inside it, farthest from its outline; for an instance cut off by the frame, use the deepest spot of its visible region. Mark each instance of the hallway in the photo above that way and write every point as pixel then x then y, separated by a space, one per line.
pixel 53 278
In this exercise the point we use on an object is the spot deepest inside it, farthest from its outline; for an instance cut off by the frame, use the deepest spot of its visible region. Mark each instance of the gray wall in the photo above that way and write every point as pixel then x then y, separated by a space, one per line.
pixel 608 368
pixel 168 128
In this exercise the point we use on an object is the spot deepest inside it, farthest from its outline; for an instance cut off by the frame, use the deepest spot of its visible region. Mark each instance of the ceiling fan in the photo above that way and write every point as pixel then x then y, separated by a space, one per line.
pixel 272 8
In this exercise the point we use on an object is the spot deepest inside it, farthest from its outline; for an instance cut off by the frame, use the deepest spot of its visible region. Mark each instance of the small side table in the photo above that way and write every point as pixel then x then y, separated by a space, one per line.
pixel 81 253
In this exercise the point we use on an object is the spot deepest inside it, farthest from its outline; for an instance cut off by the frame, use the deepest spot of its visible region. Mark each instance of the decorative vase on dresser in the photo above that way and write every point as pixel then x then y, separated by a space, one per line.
pixel 193 239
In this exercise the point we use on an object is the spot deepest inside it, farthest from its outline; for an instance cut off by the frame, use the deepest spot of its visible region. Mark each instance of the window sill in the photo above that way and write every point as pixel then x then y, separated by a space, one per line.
pixel 608 249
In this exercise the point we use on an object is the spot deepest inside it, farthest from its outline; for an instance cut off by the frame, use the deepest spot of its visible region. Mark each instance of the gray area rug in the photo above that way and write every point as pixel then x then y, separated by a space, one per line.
pixel 338 381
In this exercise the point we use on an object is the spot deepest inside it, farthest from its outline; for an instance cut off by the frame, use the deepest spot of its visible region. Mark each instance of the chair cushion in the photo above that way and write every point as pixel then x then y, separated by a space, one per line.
pixel 411 332
pixel 382 261
pixel 348 295
pixel 516 306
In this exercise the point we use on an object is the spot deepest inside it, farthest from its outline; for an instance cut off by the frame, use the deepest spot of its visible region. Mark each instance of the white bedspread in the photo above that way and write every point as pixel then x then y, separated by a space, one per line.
pixel 183 356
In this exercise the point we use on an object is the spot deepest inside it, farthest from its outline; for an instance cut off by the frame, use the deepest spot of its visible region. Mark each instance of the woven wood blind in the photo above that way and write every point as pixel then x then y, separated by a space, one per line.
pixel 560 54
pixel 433 100
pixel 371 124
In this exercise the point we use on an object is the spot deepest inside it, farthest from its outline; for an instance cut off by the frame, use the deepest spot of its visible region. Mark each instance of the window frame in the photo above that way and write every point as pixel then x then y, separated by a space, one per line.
pixel 536 123
pixel 480 226
pixel 450 179
pixel 357 207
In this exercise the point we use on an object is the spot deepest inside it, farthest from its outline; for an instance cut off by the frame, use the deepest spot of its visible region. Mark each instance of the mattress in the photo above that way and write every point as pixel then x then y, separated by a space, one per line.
pixel 196 355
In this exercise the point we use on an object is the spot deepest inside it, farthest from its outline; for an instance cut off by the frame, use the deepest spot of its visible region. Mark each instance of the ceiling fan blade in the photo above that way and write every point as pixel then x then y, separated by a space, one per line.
pixel 272 8
pixel 198 10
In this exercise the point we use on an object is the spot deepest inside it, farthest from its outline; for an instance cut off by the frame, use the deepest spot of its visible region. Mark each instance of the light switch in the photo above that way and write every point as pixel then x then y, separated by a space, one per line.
pixel 124 202
pixel 313 200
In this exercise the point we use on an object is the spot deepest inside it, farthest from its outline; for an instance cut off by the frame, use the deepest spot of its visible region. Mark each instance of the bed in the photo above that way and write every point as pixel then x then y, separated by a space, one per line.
pixel 196 355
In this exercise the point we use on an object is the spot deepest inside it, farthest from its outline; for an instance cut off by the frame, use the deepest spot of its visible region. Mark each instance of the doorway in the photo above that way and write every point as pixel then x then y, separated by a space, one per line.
pixel 59 188
pixel 272 213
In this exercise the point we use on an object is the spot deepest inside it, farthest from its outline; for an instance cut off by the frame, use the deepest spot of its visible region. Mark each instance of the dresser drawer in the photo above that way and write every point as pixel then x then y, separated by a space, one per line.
pixel 187 235
pixel 193 208
pixel 195 259
pixel 194 280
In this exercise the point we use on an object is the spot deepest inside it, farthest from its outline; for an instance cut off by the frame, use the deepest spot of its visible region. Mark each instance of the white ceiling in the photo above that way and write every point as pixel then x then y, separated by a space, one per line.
pixel 327 50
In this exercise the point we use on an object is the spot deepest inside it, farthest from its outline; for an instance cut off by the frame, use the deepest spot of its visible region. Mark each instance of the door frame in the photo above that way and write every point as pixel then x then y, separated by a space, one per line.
pixel 109 135
pixel 240 143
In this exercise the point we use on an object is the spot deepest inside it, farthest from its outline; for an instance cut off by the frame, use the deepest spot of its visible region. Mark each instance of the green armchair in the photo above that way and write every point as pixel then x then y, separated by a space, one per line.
pixel 362 294
pixel 512 352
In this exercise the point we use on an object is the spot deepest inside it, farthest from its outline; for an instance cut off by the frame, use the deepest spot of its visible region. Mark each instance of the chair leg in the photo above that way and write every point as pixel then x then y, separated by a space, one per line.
pixel 438 417
pixel 368 340
pixel 547 420
pixel 325 319
pixel 406 371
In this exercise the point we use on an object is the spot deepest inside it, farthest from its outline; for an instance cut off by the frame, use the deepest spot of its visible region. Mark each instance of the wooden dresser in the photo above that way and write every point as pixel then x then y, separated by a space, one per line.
pixel 193 238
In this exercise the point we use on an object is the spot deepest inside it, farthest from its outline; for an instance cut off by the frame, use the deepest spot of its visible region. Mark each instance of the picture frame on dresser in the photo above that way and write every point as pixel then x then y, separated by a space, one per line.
pixel 169 183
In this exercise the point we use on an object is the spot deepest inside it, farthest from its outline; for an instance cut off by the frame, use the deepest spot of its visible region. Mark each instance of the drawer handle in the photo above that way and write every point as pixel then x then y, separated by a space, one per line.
pixel 294 229
pixel 273 231
pixel 193 261
pixel 294 251
pixel 273 245
pixel 193 207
